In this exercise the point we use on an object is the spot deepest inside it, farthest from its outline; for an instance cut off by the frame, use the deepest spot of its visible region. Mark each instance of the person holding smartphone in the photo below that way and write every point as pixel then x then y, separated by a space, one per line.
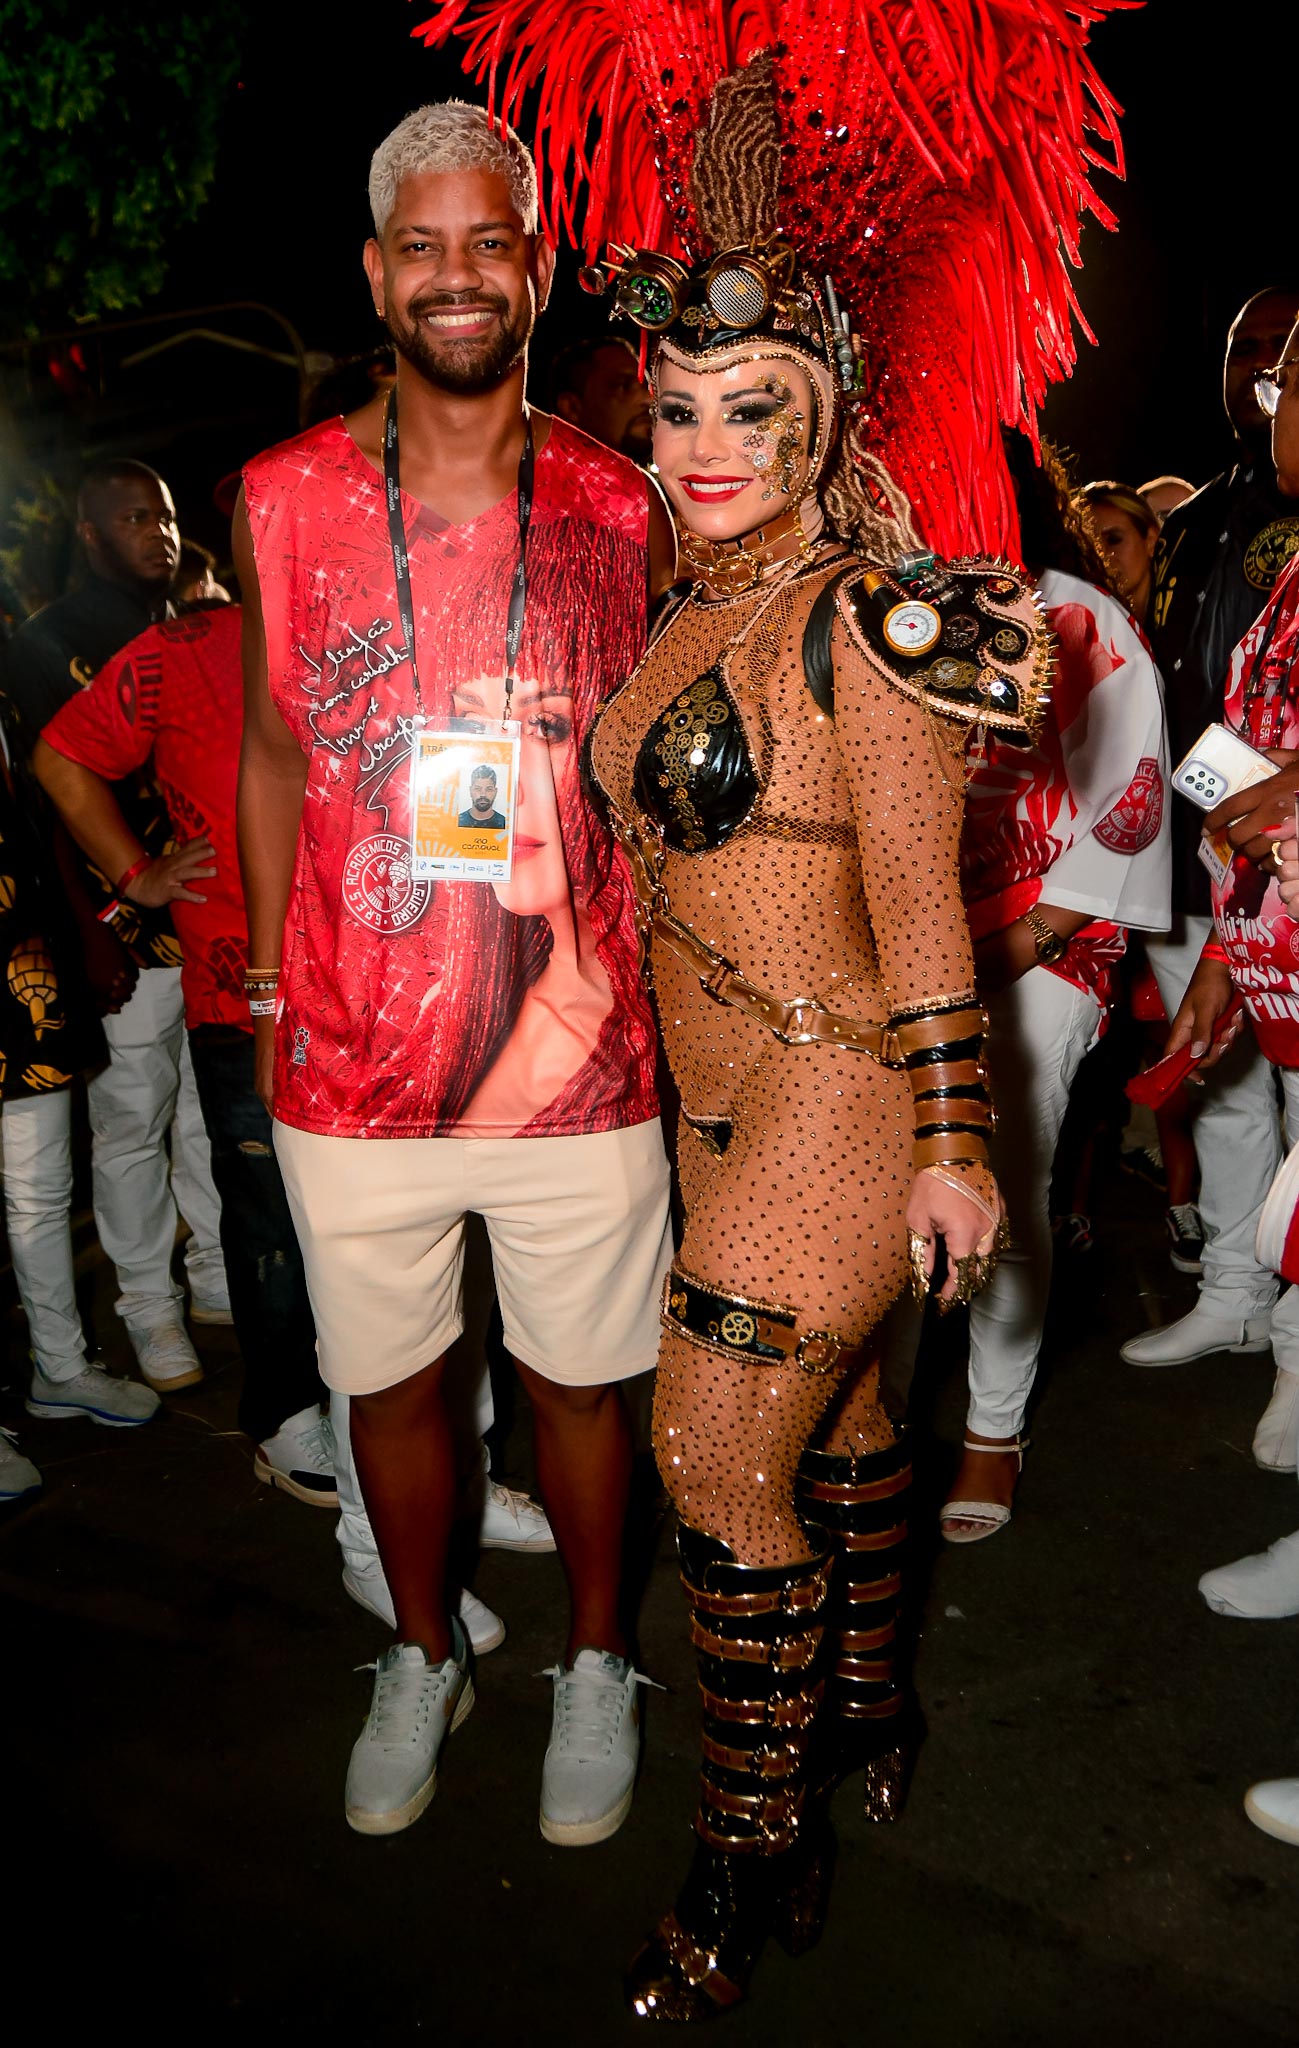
pixel 1255 942
pixel 1255 949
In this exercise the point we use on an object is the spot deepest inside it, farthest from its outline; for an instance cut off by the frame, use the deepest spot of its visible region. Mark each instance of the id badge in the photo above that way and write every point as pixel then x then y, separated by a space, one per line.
pixel 464 796
pixel 1216 854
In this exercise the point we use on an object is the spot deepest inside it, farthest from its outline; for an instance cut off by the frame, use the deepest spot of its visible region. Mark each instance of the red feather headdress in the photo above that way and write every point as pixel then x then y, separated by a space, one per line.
pixel 936 161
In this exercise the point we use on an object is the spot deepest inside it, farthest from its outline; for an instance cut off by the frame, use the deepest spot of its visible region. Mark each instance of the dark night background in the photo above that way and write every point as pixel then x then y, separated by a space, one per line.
pixel 1203 222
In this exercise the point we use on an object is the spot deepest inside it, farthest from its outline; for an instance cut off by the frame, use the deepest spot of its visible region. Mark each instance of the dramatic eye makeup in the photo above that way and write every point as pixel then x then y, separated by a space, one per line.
pixel 747 408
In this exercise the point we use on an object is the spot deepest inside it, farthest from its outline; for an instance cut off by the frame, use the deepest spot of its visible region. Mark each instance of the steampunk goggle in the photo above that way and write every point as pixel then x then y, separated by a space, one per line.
pixel 735 290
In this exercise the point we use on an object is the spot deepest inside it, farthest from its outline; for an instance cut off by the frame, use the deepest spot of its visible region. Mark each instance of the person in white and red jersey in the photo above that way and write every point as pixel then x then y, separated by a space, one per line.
pixel 1219 556
pixel 447 1045
pixel 1065 850
pixel 1256 949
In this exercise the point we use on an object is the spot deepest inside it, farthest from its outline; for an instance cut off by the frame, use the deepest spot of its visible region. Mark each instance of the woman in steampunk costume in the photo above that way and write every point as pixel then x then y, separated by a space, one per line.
pixel 785 770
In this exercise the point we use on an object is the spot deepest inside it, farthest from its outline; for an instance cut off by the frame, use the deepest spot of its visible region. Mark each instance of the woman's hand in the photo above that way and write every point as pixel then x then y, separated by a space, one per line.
pixel 167 880
pixel 1204 1002
pixel 1254 817
pixel 939 1207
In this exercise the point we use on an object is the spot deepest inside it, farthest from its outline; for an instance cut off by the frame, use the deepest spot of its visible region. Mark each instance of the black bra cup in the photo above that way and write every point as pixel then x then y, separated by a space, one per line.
pixel 693 771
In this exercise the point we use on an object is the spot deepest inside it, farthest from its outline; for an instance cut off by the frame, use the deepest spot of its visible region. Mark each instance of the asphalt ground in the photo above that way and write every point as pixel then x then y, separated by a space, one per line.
pixel 181 1693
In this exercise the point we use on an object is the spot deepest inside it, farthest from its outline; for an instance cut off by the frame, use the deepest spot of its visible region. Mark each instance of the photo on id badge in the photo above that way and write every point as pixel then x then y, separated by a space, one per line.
pixel 464 791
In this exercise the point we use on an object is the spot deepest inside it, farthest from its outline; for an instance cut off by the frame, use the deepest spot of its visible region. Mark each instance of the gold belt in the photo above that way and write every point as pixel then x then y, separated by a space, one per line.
pixel 803 1020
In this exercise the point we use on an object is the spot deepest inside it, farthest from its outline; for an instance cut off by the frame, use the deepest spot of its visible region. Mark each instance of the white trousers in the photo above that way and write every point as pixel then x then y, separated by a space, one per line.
pixel 1039 1029
pixel 38 1198
pixel 147 1089
pixel 1285 1316
pixel 1237 1132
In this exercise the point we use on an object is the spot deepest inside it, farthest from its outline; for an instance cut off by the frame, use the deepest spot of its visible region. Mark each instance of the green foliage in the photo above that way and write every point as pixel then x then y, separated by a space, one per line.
pixel 108 138
pixel 35 536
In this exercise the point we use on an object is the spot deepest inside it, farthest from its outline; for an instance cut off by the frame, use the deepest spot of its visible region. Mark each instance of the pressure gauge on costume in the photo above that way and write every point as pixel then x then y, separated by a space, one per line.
pixel 912 627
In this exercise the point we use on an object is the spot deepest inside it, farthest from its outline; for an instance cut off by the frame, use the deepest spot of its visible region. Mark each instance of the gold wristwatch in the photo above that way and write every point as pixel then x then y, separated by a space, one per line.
pixel 1048 945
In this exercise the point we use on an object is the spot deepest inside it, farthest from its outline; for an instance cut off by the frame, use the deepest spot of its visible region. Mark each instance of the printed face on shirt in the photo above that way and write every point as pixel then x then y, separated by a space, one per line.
pixel 548 778
pixel 731 446
pixel 456 280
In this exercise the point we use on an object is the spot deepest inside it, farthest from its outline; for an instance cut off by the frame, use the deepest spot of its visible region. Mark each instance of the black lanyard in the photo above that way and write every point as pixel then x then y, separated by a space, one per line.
pixel 401 554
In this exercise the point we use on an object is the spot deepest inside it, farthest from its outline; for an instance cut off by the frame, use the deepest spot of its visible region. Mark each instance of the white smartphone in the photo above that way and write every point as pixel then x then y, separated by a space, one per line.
pixel 1219 764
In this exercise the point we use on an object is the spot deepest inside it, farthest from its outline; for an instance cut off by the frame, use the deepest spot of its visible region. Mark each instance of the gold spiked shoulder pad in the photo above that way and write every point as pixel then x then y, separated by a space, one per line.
pixel 967 639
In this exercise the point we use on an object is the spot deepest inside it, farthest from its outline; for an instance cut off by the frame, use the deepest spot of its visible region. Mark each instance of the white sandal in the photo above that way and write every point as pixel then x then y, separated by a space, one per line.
pixel 988 1515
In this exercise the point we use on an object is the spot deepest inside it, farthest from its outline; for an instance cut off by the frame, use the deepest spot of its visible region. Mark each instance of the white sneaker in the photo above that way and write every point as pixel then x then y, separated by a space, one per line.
pixel 1204 1330
pixel 299 1459
pixel 511 1521
pixel 165 1356
pixel 1276 1440
pixel 367 1585
pixel 210 1309
pixel 18 1475
pixel 118 1404
pixel 1274 1807
pixel 1260 1588
pixel 590 1768
pixel 393 1773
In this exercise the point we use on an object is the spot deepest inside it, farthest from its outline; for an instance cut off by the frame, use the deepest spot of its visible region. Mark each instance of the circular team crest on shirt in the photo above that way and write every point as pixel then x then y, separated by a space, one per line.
pixel 378 888
pixel 1134 821
pixel 1269 551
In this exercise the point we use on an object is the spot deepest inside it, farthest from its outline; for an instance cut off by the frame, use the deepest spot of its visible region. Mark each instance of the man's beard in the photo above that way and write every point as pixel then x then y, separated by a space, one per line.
pixel 467 367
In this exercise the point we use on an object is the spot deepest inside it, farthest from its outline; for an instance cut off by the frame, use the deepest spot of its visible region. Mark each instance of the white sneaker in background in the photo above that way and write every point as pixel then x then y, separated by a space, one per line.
pixel 1205 1330
pixel 165 1356
pixel 214 1309
pixel 512 1521
pixel 589 1773
pixel 18 1475
pixel 1264 1587
pixel 393 1772
pixel 299 1459
pixel 1274 1807
pixel 118 1404
pixel 1276 1440
pixel 366 1584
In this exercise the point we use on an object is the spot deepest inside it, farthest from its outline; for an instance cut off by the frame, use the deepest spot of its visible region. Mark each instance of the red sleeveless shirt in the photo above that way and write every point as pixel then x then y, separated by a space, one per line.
pixel 416 1009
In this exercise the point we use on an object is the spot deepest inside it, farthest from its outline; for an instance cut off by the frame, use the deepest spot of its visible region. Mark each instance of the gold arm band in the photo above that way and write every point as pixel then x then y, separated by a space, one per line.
pixel 948 1074
pixel 940 1027
pixel 948 1148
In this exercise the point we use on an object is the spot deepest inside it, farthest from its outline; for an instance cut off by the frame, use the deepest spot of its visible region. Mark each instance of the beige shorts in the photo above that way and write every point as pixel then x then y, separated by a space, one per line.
pixel 580 1239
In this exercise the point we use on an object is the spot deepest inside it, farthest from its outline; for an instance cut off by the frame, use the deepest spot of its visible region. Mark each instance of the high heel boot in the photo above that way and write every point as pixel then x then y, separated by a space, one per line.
pixel 858 1505
pixel 758 1632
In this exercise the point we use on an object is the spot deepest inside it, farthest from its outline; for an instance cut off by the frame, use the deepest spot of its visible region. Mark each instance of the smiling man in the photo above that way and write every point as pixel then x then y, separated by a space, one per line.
pixel 447 562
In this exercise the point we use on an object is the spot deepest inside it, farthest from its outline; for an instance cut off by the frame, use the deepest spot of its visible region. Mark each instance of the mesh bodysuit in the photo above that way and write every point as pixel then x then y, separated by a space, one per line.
pixel 818 855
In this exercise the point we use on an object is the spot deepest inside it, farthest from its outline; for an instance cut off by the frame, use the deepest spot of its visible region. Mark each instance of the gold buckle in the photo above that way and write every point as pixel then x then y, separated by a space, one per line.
pixel 794 1030
pixel 818 1351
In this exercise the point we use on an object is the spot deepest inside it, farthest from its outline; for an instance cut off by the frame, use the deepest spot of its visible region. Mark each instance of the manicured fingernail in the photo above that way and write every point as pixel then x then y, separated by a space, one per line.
pixel 1198 1050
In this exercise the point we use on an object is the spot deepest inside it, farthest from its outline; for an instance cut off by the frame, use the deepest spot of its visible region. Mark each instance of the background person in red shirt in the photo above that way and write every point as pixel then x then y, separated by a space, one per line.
pixel 1255 947
pixel 175 693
